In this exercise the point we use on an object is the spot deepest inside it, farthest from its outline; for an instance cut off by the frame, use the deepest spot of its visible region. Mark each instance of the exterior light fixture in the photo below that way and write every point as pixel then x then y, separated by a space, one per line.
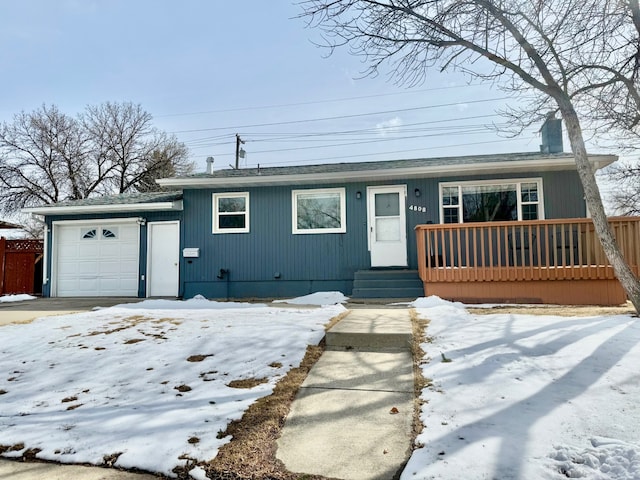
pixel 358 194
pixel 417 192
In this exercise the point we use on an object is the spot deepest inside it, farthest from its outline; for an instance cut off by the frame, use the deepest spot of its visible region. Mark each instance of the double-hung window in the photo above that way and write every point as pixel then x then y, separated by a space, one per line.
pixel 491 201
pixel 231 212
pixel 319 211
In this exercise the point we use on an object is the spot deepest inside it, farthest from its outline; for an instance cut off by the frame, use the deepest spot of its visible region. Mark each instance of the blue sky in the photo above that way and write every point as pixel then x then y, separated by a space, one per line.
pixel 207 70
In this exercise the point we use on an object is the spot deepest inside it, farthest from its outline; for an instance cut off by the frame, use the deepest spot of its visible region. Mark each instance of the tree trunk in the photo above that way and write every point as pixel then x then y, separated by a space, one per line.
pixel 621 268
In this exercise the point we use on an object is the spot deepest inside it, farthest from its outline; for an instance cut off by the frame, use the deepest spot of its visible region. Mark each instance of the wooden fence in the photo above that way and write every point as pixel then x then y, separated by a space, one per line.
pixel 20 266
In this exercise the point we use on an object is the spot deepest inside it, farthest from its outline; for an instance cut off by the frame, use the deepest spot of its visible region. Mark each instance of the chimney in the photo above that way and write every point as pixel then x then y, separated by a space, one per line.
pixel 210 165
pixel 551 135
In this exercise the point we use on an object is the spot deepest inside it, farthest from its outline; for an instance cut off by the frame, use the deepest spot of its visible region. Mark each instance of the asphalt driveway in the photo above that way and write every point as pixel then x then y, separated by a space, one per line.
pixel 23 312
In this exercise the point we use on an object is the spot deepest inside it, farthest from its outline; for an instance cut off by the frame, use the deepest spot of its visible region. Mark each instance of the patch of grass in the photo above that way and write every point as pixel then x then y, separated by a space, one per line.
pixel 193 440
pixel 275 365
pixel 69 399
pixel 183 388
pixel 11 448
pixel 419 327
pixel 247 382
pixel 2 392
pixel 252 453
pixel 30 454
pixel 110 460
pixel 134 340
pixel 335 320
pixel 73 407
pixel 198 358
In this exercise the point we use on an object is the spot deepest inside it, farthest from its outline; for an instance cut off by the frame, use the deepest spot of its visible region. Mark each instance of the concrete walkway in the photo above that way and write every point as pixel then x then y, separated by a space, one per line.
pixel 352 418
pixel 26 311
pixel 16 470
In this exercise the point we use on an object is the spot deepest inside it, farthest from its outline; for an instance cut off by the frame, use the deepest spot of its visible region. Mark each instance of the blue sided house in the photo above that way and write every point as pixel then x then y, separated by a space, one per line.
pixel 288 231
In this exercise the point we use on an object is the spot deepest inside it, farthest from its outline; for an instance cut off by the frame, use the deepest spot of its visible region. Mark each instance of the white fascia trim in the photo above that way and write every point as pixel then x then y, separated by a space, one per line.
pixel 130 207
pixel 96 221
pixel 598 162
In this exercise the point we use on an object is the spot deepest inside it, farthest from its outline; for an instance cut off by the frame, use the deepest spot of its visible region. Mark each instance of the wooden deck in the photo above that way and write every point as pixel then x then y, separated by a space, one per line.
pixel 542 261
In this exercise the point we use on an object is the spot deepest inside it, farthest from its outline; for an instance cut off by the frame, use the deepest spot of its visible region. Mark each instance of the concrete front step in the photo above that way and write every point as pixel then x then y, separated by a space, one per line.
pixel 387 284
pixel 372 329
pixel 388 292
pixel 385 274
pixel 383 283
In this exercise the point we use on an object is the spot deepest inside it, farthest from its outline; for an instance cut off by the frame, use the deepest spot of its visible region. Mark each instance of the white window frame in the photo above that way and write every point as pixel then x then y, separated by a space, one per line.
pixel 319 191
pixel 216 214
pixel 503 181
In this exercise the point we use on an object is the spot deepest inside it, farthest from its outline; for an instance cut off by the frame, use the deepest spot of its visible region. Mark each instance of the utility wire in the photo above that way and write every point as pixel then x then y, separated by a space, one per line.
pixel 200 141
pixel 313 102
pixel 346 144
pixel 339 117
pixel 385 153
pixel 373 136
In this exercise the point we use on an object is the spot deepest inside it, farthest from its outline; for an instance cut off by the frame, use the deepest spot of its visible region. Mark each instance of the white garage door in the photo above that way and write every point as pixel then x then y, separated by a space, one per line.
pixel 98 259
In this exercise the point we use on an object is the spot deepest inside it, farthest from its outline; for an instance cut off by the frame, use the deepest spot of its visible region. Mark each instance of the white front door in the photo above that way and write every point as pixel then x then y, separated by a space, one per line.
pixel 163 257
pixel 387 225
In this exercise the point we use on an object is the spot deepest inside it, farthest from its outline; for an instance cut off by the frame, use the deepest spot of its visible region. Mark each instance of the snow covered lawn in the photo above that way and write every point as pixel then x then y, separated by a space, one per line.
pixel 528 397
pixel 144 385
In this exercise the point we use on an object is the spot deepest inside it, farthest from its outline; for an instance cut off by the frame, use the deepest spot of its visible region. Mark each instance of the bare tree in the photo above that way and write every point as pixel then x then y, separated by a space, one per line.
pixel 580 58
pixel 42 160
pixel 128 146
pixel 47 156
pixel 169 159
pixel 625 197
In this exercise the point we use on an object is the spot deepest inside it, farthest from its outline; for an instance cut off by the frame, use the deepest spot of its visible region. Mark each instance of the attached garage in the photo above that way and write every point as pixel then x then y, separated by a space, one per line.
pixel 125 245
pixel 98 258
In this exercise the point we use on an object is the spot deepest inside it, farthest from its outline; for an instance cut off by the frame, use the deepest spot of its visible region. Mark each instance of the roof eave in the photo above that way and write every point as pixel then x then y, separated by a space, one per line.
pixel 80 209
pixel 551 163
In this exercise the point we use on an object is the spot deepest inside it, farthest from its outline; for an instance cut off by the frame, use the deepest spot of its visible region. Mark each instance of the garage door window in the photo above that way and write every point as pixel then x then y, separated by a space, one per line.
pixel 109 233
pixel 89 234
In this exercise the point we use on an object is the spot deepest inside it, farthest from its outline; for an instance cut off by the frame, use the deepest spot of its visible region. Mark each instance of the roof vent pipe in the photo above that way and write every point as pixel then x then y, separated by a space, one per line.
pixel 210 165
pixel 551 132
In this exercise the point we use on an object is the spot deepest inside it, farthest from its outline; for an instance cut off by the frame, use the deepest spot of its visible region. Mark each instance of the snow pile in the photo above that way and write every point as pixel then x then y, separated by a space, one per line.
pixel 144 388
pixel 16 298
pixel 317 298
pixel 519 396
pixel 605 459
pixel 196 303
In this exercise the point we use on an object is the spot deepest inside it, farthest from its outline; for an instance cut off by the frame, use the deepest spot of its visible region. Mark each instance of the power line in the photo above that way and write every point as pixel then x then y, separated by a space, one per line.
pixel 389 152
pixel 313 102
pixel 371 135
pixel 346 157
pixel 340 117
pixel 335 132
pixel 362 142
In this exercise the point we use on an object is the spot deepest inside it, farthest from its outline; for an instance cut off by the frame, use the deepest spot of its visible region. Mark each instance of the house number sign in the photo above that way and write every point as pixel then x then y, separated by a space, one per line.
pixel 418 208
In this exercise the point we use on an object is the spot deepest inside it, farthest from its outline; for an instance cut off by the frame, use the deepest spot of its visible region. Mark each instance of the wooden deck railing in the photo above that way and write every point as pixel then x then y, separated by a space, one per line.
pixel 564 249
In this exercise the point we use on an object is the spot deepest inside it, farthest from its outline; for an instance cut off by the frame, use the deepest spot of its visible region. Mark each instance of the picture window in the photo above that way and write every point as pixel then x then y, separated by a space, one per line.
pixel 491 201
pixel 319 211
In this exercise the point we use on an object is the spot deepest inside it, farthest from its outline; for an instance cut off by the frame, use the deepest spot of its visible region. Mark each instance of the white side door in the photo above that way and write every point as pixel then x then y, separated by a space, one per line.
pixel 387 225
pixel 163 258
